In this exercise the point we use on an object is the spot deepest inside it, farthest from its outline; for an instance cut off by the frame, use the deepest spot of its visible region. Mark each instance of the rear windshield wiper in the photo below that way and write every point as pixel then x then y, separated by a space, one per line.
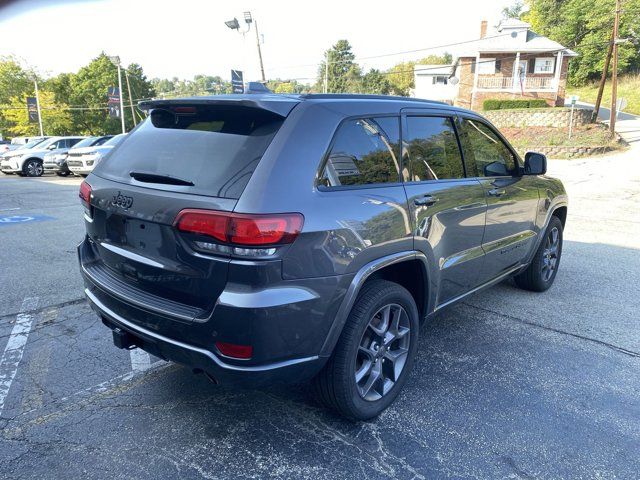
pixel 157 178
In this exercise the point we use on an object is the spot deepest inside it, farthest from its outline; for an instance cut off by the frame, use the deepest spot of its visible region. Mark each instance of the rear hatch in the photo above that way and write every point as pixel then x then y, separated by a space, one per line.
pixel 186 155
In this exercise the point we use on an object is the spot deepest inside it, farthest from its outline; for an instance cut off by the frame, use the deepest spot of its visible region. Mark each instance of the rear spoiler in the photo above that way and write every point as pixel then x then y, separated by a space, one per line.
pixel 278 104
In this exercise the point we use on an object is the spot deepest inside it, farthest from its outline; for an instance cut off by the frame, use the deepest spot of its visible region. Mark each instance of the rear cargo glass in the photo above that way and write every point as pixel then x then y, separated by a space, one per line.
pixel 216 148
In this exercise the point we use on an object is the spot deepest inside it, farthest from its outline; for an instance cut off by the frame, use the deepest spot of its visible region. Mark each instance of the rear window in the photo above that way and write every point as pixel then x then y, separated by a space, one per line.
pixel 213 147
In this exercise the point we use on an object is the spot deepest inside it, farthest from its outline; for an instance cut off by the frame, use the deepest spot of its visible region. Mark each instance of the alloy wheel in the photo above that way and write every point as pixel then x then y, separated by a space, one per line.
pixel 34 169
pixel 550 254
pixel 383 352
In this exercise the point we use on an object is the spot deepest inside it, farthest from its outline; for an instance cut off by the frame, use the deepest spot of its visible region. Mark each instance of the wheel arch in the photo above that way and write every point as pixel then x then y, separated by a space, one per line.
pixel 399 267
pixel 561 213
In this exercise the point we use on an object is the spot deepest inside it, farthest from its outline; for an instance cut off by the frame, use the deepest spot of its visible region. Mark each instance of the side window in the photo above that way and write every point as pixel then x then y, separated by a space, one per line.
pixel 365 151
pixel 72 141
pixel 432 149
pixel 485 152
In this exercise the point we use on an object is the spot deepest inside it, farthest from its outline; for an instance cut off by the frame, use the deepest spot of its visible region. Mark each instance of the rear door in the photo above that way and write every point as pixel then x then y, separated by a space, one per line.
pixel 196 157
pixel 447 209
pixel 512 198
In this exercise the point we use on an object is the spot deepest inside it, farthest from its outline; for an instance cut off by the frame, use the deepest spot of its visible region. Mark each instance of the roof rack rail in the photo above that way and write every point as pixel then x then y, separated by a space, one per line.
pixel 356 96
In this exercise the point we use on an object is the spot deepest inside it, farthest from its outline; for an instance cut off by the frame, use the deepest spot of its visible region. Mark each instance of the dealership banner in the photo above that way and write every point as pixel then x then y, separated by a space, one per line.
pixel 32 108
pixel 237 83
pixel 113 102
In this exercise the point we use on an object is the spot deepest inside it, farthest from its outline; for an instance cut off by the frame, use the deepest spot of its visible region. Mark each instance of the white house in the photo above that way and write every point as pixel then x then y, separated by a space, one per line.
pixel 434 82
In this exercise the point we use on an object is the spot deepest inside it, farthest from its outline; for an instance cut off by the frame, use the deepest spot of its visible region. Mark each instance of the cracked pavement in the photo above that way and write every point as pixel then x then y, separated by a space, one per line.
pixel 506 384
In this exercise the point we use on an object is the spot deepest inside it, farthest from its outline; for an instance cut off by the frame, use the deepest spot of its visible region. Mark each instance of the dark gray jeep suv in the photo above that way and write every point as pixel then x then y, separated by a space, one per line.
pixel 261 238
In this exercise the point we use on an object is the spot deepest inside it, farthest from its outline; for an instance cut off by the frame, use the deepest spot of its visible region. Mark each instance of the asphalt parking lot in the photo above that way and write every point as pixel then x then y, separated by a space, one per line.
pixel 507 384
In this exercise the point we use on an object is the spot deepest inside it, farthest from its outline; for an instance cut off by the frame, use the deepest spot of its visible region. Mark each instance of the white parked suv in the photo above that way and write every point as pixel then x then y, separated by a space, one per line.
pixel 28 161
pixel 81 161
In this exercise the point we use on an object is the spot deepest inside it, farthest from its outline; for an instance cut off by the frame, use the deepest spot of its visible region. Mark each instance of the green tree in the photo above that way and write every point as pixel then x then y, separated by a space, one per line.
pixel 401 78
pixel 14 82
pixel 375 82
pixel 56 119
pixel 585 26
pixel 344 73
pixel 514 11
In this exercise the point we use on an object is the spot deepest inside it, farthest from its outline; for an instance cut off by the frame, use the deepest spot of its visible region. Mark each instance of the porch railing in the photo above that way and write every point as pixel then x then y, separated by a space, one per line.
pixel 507 83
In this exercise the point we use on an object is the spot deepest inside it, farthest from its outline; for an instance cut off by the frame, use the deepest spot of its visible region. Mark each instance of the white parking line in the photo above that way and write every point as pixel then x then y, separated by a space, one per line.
pixel 140 360
pixel 15 347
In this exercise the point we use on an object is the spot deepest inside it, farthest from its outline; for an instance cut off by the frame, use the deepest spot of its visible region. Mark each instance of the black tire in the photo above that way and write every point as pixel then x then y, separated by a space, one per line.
pixel 336 385
pixel 541 273
pixel 33 168
pixel 62 174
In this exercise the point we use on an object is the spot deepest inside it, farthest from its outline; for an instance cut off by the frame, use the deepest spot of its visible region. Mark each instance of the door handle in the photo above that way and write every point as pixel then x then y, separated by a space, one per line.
pixel 424 201
pixel 496 192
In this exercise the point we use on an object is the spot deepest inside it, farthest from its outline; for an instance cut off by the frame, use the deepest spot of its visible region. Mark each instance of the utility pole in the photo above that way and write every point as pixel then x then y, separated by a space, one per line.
pixel 326 72
pixel 603 79
pixel 35 83
pixel 133 112
pixel 614 74
pixel 264 79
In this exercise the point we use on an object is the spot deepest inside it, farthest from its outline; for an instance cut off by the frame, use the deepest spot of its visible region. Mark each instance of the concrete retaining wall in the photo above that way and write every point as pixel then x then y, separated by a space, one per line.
pixel 567 152
pixel 538 117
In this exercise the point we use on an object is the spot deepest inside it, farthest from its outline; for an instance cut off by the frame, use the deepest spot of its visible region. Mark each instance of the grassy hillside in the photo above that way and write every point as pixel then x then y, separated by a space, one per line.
pixel 628 87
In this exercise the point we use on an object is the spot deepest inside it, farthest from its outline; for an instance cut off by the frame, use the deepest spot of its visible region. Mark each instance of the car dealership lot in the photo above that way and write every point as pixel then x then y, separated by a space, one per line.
pixel 507 384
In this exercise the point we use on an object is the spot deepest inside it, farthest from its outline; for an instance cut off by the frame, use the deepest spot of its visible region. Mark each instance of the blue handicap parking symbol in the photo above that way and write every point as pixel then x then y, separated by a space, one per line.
pixel 19 219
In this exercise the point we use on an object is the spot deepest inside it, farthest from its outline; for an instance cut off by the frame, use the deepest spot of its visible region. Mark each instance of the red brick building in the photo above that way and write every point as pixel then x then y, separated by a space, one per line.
pixel 512 62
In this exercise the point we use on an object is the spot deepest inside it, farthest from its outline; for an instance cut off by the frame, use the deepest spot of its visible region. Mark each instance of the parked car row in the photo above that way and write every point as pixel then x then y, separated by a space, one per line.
pixel 60 155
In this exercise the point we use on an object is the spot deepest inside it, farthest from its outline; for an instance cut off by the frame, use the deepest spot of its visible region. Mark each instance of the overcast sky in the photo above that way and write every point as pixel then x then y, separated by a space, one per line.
pixel 188 37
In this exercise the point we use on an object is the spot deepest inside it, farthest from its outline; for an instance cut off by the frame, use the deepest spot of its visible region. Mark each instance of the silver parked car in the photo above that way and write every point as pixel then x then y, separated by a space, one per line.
pixel 81 161
pixel 56 161
pixel 29 162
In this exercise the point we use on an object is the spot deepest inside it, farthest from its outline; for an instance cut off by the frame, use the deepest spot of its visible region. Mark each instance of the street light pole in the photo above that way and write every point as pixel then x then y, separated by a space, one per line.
pixel 264 79
pixel 116 61
pixel 248 19
pixel 35 83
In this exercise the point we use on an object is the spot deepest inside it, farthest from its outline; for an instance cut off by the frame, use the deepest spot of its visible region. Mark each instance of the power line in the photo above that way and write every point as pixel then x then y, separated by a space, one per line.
pixel 383 55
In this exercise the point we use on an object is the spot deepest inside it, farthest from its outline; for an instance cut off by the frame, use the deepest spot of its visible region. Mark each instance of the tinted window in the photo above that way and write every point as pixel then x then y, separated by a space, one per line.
pixel 85 142
pixel 115 140
pixel 73 141
pixel 432 149
pixel 365 151
pixel 100 141
pixel 216 148
pixel 485 152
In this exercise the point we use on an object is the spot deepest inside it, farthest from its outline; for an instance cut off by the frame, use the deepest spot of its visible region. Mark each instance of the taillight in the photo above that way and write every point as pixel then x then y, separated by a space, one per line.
pixel 242 352
pixel 85 193
pixel 242 229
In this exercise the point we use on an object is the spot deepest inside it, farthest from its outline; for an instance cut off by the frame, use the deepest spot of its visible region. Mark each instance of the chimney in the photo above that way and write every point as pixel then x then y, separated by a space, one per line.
pixel 483 28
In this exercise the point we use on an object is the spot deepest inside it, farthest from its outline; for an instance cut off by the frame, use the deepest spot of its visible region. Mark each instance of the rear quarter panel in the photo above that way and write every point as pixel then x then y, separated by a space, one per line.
pixel 343 229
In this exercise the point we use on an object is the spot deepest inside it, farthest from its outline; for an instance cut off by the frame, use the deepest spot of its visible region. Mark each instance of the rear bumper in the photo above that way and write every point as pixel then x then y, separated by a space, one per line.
pixel 286 324
pixel 203 360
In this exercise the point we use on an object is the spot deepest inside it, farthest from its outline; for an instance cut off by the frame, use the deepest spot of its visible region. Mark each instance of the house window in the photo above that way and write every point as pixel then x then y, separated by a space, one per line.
pixel 487 66
pixel 439 80
pixel 544 65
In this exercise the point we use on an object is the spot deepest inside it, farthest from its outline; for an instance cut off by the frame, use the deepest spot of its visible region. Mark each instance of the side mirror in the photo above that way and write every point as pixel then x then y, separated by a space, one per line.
pixel 52 146
pixel 535 163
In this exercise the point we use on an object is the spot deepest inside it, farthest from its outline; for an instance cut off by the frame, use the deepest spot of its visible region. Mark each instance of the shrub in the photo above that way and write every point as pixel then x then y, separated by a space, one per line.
pixel 491 104
pixel 495 104
pixel 538 103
